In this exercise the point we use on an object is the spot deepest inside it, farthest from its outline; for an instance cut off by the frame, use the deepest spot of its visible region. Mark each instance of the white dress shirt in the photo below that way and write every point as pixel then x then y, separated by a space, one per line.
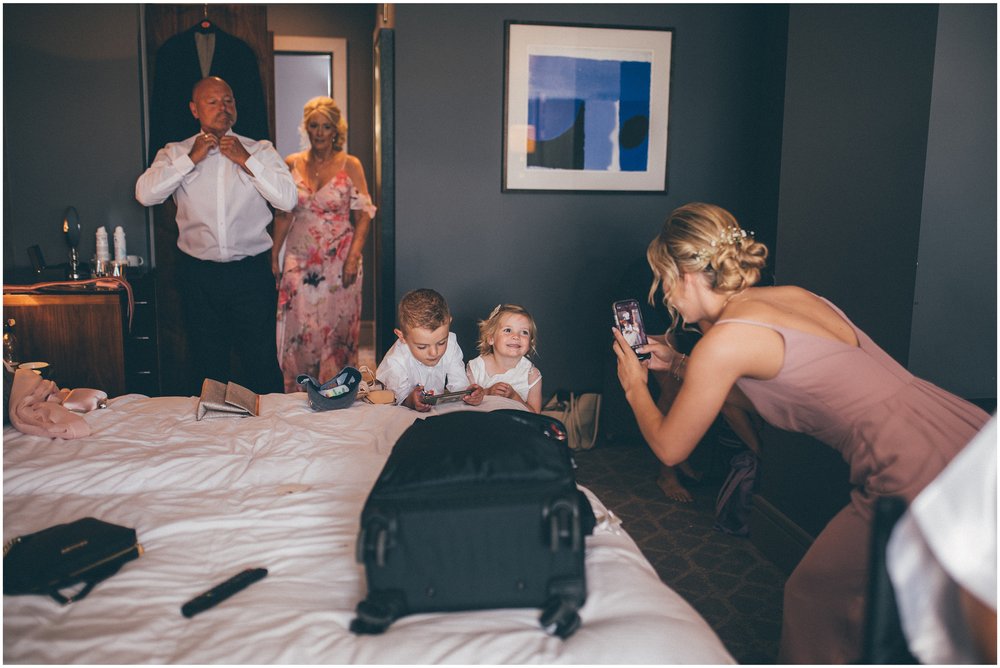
pixel 401 371
pixel 222 212
pixel 946 539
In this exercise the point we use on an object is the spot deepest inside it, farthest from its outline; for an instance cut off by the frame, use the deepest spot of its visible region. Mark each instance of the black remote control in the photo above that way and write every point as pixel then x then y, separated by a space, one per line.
pixel 221 592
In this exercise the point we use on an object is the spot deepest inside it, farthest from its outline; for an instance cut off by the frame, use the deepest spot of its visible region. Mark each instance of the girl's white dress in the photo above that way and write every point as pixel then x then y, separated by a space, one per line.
pixel 516 377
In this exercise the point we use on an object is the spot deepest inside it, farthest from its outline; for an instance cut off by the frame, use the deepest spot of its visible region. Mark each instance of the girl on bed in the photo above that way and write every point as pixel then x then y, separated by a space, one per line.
pixel 319 284
pixel 797 360
pixel 506 338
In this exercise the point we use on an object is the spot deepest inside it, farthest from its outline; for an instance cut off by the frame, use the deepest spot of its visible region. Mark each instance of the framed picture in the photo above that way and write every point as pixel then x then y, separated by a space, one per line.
pixel 586 107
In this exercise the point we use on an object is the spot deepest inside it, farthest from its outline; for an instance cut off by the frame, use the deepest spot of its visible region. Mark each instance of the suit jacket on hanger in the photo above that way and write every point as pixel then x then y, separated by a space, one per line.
pixel 178 70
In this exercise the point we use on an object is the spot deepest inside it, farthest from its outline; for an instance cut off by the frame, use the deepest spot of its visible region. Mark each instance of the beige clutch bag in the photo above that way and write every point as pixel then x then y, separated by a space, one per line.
pixel 226 400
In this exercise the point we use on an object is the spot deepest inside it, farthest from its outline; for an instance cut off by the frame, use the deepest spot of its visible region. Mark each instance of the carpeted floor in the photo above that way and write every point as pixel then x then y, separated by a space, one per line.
pixel 735 588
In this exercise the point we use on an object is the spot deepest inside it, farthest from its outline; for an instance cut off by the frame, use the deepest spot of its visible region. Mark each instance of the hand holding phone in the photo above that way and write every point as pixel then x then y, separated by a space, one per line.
pixel 435 399
pixel 628 320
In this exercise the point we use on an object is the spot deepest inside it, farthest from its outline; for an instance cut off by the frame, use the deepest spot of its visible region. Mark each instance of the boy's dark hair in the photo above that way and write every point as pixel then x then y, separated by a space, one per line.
pixel 423 308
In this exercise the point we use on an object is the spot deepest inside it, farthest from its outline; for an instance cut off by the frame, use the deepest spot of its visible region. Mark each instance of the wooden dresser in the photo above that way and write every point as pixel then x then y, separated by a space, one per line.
pixel 84 335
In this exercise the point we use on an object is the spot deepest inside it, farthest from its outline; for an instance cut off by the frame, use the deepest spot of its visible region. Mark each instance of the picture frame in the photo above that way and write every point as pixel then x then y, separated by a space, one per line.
pixel 586 107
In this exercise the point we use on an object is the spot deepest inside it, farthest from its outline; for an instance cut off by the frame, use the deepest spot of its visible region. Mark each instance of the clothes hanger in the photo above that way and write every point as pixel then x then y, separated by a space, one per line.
pixel 206 25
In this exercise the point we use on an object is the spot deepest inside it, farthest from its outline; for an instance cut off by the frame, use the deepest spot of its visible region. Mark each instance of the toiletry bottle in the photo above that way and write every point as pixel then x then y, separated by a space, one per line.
pixel 103 258
pixel 121 259
pixel 120 252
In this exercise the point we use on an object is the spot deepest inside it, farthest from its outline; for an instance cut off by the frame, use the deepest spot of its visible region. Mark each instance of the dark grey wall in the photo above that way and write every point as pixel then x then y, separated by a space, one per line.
pixel 72 127
pixel 560 255
pixel 955 302
pixel 852 166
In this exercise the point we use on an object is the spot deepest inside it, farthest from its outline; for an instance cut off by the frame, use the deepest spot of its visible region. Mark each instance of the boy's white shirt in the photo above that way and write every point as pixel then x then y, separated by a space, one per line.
pixel 401 371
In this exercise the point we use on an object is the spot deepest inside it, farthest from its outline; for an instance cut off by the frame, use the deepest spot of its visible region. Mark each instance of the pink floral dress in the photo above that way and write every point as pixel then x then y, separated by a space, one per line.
pixel 319 320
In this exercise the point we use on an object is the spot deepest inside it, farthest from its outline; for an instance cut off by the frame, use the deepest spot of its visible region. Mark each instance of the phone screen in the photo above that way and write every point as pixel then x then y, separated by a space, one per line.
pixel 628 319
pixel 434 399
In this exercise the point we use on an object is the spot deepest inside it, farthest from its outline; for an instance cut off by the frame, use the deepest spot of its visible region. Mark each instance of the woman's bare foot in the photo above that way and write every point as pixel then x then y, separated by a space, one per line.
pixel 671 486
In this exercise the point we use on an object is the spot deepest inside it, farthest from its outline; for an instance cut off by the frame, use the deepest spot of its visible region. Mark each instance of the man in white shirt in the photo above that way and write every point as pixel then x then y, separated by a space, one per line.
pixel 222 184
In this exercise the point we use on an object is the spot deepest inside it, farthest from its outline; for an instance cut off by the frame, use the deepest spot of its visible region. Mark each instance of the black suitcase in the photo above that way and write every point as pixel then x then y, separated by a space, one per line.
pixel 476 510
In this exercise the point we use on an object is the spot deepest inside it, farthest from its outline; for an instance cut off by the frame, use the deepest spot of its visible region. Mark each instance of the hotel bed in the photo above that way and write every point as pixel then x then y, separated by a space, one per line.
pixel 284 491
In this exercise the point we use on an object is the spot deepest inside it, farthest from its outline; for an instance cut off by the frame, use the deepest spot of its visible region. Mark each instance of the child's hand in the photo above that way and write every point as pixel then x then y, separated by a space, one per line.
pixel 476 397
pixel 501 389
pixel 414 400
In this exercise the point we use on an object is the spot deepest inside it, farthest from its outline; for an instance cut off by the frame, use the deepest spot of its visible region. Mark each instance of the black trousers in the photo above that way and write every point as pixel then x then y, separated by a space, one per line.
pixel 229 307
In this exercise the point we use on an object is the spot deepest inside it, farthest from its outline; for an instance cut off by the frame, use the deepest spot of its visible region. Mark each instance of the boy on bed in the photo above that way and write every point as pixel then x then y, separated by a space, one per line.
pixel 426 358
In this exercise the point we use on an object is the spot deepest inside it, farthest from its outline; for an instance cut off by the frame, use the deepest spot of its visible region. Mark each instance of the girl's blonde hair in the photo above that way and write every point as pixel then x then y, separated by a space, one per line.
pixel 328 107
pixel 704 238
pixel 488 328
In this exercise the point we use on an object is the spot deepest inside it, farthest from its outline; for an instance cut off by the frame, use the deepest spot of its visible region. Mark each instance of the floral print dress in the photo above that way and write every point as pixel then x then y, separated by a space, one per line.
pixel 319 320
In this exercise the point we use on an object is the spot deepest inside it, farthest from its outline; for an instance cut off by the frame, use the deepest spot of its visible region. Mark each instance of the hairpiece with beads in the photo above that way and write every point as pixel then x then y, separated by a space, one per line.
pixel 733 236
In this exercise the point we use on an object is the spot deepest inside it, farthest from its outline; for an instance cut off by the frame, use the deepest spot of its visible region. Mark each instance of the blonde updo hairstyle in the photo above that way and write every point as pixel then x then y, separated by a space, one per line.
pixel 704 238
pixel 328 108
pixel 488 328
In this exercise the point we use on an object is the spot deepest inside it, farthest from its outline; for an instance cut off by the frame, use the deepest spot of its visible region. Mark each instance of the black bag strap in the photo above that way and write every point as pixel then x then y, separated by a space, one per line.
pixel 63 600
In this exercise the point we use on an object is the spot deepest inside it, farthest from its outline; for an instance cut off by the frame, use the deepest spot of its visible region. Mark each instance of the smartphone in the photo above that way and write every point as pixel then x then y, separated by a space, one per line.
pixel 445 397
pixel 628 320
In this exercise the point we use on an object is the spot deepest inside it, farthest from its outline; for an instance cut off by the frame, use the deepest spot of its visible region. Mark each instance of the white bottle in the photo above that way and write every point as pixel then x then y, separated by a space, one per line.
pixel 121 256
pixel 103 251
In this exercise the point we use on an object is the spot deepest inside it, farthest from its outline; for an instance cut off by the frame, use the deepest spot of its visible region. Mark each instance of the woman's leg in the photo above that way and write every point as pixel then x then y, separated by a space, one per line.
pixel 824 604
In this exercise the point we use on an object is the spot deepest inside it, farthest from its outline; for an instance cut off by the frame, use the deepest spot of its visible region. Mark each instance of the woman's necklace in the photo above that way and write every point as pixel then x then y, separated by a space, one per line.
pixel 318 162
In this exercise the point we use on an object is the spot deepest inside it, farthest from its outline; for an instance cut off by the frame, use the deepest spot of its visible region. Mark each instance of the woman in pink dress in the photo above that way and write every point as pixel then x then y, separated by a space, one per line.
pixel 319 281
pixel 799 362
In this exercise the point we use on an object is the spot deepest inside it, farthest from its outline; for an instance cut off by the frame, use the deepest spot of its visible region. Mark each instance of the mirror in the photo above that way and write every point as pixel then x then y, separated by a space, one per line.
pixel 71 228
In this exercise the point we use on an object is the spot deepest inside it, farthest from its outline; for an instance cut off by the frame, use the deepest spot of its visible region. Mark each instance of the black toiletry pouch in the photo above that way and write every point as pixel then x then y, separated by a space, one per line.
pixel 86 552
pixel 342 389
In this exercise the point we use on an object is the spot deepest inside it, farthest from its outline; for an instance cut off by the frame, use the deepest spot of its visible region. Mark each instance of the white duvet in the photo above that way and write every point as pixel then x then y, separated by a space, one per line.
pixel 283 491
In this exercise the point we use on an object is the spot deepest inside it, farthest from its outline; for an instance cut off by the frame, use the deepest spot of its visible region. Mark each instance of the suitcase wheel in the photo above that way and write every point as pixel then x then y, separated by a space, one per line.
pixel 560 618
pixel 373 541
pixel 377 612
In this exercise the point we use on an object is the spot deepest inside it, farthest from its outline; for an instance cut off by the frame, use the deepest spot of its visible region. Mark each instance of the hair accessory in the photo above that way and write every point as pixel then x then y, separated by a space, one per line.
pixel 496 310
pixel 733 236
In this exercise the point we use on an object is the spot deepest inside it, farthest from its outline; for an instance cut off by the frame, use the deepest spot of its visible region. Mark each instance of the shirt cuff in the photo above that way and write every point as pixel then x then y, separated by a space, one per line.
pixel 184 166
pixel 254 165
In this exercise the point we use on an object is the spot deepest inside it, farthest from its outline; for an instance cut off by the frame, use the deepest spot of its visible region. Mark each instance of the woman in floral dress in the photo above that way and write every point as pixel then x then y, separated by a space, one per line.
pixel 319 279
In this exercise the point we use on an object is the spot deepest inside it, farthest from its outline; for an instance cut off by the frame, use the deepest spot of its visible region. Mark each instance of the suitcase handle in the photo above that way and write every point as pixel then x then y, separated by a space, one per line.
pixel 564 524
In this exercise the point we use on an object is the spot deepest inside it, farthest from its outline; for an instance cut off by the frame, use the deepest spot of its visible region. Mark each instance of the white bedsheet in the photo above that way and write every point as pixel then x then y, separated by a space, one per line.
pixel 284 491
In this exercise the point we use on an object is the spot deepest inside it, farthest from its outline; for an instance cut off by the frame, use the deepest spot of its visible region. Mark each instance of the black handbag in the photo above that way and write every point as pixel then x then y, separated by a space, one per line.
pixel 85 551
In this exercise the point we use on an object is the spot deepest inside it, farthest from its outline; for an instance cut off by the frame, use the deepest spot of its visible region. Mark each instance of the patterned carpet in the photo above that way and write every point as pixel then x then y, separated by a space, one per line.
pixel 725 578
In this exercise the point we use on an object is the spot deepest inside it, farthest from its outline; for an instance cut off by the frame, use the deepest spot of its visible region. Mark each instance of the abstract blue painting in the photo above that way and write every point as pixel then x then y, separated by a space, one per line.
pixel 588 113
pixel 586 107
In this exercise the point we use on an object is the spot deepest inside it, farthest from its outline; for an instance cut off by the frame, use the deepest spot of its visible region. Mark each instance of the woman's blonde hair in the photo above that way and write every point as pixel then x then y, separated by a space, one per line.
pixel 488 328
pixel 704 238
pixel 328 107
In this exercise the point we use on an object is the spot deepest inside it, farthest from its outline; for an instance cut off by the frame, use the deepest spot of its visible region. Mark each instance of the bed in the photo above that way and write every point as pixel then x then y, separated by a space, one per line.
pixel 284 491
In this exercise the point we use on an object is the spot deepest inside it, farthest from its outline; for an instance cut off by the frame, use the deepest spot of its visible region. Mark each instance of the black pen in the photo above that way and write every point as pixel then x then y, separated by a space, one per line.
pixel 221 592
